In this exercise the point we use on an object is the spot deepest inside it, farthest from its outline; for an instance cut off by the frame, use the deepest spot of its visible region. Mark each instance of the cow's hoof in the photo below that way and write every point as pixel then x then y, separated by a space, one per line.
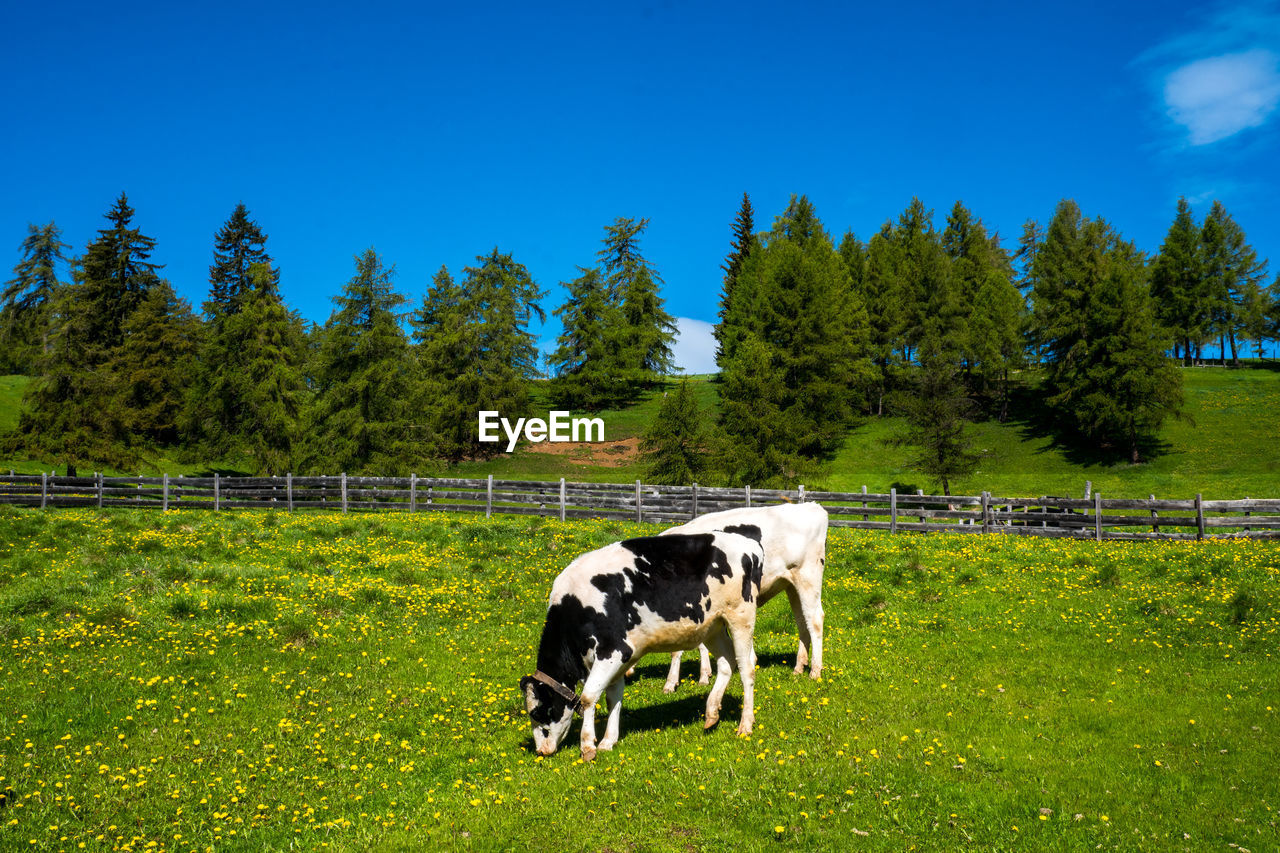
pixel 744 729
pixel 704 679
pixel 710 724
pixel 605 745
pixel 668 688
pixel 815 674
pixel 588 753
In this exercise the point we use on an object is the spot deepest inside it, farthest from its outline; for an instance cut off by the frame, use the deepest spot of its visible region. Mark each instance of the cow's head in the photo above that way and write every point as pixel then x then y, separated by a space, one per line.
pixel 549 712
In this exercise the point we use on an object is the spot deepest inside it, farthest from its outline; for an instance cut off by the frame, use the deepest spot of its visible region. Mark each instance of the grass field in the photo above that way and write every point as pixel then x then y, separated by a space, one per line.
pixel 262 681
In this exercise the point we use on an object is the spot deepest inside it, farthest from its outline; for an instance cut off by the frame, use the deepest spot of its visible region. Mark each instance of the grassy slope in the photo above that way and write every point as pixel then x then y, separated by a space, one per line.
pixel 265 682
pixel 1225 447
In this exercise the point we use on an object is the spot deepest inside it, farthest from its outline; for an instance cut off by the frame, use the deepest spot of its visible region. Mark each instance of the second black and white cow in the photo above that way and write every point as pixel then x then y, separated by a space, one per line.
pixel 794 537
pixel 660 593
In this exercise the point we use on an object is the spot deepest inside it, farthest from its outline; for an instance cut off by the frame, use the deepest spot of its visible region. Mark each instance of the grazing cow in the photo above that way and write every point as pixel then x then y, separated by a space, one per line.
pixel 659 593
pixel 794 537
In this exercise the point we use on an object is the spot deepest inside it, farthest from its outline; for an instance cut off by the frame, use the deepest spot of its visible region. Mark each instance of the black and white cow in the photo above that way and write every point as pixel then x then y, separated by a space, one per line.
pixel 794 537
pixel 659 593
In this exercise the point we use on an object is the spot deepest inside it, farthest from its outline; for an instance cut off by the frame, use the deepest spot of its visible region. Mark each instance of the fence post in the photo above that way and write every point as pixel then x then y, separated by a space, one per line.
pixel 1155 516
pixel 344 491
pixel 865 517
pixel 44 490
pixel 695 502
pixel 920 493
pixel 639 501
pixel 986 512
pixel 801 498
pixel 97 475
pixel 1199 515
pixel 562 498
pixel 488 498
pixel 165 506
pixel 288 487
pixel 1247 514
pixel 1097 516
pixel 1088 489
pixel 893 510
pixel 748 491
pixel 413 493
pixel 217 492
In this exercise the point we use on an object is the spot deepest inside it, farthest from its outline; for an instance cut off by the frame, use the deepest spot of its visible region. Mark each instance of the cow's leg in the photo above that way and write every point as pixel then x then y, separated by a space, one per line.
pixel 718 642
pixel 802 628
pixel 704 665
pixel 810 622
pixel 673 674
pixel 612 701
pixel 744 656
pixel 602 674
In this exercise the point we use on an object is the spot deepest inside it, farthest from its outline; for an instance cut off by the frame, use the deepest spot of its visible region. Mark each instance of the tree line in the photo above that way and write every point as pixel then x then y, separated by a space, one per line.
pixel 931 324
pixel 813 336
pixel 123 366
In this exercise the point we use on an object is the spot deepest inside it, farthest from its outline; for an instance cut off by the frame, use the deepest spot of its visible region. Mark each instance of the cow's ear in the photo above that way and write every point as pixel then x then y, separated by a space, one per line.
pixel 530 697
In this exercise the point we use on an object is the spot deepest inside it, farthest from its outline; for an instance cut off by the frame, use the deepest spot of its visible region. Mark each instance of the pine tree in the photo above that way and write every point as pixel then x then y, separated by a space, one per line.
pixel 363 377
pixel 267 369
pixel 446 343
pixel 811 329
pixel 884 321
pixel 647 331
pixel 937 412
pixel 751 448
pixel 1178 282
pixel 673 449
pixel 28 298
pixel 588 358
pixel 238 246
pixel 1231 270
pixel 744 240
pixel 152 367
pixel 1106 370
pixel 73 411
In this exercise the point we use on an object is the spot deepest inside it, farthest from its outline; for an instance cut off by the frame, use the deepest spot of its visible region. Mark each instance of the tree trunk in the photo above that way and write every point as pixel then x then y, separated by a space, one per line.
pixel 1235 356
pixel 71 470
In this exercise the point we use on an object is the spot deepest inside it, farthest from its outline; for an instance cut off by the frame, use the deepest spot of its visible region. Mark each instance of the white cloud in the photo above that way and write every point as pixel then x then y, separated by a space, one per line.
pixel 695 348
pixel 1220 96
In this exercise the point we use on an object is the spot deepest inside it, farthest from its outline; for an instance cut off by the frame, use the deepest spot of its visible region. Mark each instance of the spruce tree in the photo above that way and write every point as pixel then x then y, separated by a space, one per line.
pixel 646 331
pixel 28 298
pixel 751 445
pixel 357 421
pixel 238 246
pixel 267 369
pixel 744 239
pixel 1231 270
pixel 588 358
pixel 673 448
pixel 152 367
pixel 1179 284
pixel 884 321
pixel 446 345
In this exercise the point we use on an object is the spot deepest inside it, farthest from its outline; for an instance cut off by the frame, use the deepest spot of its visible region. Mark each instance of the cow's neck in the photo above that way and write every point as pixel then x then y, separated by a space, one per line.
pixel 562 650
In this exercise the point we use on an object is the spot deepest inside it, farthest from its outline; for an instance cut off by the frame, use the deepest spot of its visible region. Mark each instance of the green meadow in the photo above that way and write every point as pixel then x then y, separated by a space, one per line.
pixel 320 681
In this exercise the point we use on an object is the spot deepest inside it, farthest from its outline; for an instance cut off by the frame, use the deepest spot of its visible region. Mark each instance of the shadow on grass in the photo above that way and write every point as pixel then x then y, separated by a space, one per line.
pixel 1035 419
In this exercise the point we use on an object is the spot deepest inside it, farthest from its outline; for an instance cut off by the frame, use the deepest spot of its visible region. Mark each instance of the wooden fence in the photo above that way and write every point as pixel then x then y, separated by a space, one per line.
pixel 1092 517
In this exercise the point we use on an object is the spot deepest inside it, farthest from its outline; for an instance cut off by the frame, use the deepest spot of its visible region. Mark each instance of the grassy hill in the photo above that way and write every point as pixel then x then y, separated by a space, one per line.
pixel 1224 446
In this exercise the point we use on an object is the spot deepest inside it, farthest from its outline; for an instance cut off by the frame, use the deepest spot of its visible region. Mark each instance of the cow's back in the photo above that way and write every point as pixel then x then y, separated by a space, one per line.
pixel 793 535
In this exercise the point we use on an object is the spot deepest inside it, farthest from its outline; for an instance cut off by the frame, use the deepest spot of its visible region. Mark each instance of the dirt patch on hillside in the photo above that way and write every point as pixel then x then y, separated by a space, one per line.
pixel 604 454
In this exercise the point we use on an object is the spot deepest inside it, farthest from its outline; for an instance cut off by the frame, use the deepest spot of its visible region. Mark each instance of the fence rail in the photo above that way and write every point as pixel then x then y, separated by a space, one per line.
pixel 1092 517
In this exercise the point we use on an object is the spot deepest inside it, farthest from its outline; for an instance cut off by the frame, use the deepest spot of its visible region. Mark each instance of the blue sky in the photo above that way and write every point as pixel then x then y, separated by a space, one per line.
pixel 434 133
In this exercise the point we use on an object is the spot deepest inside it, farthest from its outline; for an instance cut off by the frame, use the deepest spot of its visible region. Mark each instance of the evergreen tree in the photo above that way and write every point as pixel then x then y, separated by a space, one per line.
pixel 446 343
pixel 363 377
pixel 937 413
pixel 744 240
pixel 1178 283
pixel 1232 270
pixel 152 366
pixel 238 245
pixel 271 391
pixel 751 448
pixel 884 322
pixel 811 329
pixel 74 410
pixel 28 298
pixel 1093 313
pixel 588 358
pixel 647 331
pixel 673 449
